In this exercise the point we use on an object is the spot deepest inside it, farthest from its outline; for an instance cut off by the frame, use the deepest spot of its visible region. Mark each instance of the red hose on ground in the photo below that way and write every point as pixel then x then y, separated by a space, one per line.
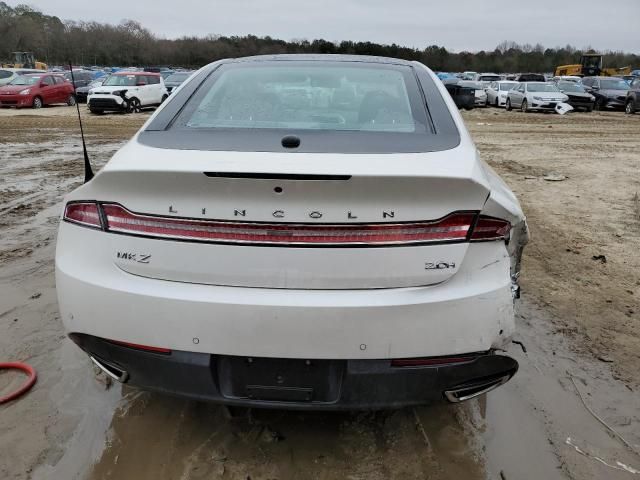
pixel 31 380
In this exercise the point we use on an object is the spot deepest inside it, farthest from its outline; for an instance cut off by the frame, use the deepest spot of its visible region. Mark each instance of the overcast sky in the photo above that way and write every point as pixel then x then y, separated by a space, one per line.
pixel 456 24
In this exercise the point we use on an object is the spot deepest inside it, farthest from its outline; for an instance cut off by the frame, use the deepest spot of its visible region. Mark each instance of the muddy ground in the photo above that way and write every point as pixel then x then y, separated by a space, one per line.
pixel 578 179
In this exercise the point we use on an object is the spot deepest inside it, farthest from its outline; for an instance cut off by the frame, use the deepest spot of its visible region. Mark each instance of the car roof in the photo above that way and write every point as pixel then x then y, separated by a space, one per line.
pixel 308 57
pixel 136 73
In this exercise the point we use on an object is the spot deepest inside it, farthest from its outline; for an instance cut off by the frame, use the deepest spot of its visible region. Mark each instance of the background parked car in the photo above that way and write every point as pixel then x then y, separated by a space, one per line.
pixel 497 92
pixel 176 79
pixel 37 90
pixel 578 96
pixel 610 92
pixel 8 74
pixel 128 92
pixel 462 96
pixel 487 78
pixel 633 97
pixel 530 77
pixel 535 96
pixel 480 94
pixel 83 92
pixel 81 78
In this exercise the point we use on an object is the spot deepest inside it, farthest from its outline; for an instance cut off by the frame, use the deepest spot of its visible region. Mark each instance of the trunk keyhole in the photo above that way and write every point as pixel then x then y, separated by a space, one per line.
pixel 278 189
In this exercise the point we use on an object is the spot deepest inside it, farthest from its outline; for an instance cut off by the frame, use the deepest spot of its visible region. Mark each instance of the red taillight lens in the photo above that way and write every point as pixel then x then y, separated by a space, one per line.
pixel 431 361
pixel 84 213
pixel 489 228
pixel 454 227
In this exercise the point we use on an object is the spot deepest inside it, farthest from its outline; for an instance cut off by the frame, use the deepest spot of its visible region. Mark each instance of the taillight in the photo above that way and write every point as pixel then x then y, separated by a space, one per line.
pixel 454 227
pixel 489 228
pixel 83 213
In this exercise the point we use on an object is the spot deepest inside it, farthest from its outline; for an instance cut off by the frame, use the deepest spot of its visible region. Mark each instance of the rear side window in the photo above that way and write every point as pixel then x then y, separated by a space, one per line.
pixel 153 80
pixel 5 74
pixel 308 97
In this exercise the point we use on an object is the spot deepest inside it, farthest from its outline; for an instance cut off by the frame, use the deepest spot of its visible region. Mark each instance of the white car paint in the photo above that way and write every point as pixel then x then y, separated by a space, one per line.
pixel 286 302
pixel 497 92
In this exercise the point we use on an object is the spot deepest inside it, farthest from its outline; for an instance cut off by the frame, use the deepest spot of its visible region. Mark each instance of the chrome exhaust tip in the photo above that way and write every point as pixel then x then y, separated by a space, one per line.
pixel 469 391
pixel 111 370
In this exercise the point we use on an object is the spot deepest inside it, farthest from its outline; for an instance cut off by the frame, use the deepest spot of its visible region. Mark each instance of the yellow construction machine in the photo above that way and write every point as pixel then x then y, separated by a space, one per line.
pixel 25 60
pixel 591 66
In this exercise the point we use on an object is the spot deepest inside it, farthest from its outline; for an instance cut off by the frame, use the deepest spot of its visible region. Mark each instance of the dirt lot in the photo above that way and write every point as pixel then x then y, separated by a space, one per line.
pixel 577 178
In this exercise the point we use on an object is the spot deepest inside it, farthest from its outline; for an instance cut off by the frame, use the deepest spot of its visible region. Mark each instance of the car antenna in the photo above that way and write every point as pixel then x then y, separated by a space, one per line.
pixel 88 172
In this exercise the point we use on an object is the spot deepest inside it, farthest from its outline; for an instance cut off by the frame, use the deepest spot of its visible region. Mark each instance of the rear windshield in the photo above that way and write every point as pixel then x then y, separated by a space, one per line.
pixel 308 97
pixel 331 106
pixel 489 78
pixel 120 81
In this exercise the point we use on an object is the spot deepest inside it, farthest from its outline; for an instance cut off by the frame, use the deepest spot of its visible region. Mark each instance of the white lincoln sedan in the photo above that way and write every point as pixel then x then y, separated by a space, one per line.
pixel 297 231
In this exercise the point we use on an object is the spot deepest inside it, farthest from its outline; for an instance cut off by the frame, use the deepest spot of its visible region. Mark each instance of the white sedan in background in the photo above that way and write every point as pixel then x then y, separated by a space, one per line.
pixel 481 95
pixel 535 96
pixel 497 92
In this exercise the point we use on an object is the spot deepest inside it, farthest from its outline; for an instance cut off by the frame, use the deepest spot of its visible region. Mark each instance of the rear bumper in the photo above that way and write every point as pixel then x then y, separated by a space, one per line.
pixel 470 312
pixel 298 383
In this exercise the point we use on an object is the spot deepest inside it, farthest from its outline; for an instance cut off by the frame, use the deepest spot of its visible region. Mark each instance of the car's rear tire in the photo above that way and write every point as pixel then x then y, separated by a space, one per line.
pixel 524 107
pixel 37 103
pixel 71 101
pixel 629 108
pixel 508 105
pixel 164 98
pixel 134 106
pixel 497 104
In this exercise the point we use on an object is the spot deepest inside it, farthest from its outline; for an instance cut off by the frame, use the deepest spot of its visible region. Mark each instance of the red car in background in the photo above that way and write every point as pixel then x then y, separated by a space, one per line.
pixel 36 90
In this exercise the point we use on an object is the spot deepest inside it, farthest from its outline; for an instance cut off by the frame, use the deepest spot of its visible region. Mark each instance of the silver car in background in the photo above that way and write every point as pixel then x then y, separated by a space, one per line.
pixel 535 96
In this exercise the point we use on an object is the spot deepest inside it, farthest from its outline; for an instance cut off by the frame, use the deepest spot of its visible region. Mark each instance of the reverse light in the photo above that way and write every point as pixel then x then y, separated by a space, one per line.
pixel 83 213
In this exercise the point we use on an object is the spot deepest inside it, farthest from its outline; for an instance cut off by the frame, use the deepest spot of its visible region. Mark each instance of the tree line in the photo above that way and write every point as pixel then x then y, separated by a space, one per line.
pixel 57 41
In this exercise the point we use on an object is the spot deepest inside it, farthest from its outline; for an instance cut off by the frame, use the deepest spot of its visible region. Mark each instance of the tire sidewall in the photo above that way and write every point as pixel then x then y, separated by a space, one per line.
pixel 37 103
